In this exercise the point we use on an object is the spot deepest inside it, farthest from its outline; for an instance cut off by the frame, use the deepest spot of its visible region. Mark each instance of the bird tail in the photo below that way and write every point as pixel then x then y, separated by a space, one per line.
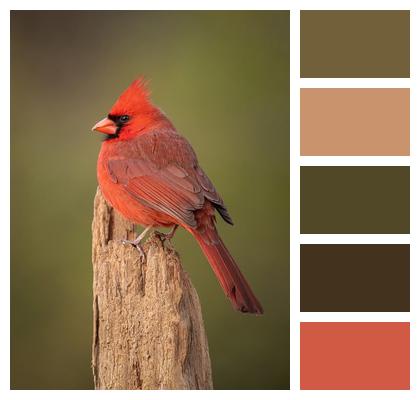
pixel 227 271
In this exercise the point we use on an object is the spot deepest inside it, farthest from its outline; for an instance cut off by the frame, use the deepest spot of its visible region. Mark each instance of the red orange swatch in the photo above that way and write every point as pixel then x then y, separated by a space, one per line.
pixel 350 355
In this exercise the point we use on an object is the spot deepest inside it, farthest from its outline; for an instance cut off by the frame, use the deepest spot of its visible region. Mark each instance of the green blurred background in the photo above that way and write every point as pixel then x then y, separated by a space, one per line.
pixel 223 79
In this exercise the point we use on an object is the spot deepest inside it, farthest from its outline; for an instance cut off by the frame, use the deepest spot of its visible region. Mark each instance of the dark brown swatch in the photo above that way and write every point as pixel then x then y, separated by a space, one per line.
pixel 355 44
pixel 355 200
pixel 355 278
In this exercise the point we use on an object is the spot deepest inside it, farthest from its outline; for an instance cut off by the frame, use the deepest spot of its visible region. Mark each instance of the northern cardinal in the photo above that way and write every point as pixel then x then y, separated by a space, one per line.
pixel 150 174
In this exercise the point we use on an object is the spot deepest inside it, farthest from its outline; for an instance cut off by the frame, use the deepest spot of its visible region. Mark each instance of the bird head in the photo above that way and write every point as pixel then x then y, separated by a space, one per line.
pixel 131 113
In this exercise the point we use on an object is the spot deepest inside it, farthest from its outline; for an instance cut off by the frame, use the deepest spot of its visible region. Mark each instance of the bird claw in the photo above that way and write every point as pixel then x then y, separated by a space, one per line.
pixel 163 236
pixel 137 243
pixel 166 236
pixel 142 253
pixel 138 246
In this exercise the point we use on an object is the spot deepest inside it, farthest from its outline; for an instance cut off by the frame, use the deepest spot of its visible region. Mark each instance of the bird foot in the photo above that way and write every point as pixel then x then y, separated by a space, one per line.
pixel 137 243
pixel 166 236
pixel 138 246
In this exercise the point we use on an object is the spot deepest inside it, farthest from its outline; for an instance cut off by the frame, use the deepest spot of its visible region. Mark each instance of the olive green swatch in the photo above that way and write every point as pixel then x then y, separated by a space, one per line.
pixel 355 200
pixel 355 278
pixel 355 44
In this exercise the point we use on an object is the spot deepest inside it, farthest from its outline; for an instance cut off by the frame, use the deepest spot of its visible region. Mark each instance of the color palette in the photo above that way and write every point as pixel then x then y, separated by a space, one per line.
pixel 355 199
pixel 340 355
pixel 355 44
pixel 354 259
pixel 355 278
pixel 355 122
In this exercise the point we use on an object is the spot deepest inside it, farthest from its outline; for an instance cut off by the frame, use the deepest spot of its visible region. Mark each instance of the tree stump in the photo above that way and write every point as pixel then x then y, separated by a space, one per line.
pixel 148 330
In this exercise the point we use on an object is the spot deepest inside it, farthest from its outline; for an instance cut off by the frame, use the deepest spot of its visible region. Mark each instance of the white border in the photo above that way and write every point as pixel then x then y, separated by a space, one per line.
pixel 355 239
pixel 365 83
pixel 355 161
pixel 5 202
pixel 295 84
pixel 294 199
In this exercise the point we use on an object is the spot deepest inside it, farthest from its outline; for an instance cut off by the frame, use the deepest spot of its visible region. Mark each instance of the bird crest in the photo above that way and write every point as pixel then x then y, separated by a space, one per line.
pixel 134 100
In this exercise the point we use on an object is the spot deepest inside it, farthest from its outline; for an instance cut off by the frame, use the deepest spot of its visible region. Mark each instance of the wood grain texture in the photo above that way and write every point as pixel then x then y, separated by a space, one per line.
pixel 148 330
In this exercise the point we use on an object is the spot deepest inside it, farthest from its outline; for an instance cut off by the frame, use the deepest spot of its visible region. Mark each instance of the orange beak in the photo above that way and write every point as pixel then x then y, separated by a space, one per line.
pixel 106 126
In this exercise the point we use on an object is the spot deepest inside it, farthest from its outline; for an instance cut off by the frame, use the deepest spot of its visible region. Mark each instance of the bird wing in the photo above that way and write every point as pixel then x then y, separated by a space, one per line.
pixel 176 186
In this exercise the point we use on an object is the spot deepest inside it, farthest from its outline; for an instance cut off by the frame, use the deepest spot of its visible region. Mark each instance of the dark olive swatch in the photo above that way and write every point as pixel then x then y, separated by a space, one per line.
pixel 355 278
pixel 355 44
pixel 355 200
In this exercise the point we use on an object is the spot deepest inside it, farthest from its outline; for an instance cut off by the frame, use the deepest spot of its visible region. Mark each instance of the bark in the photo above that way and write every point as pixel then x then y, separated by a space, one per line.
pixel 148 331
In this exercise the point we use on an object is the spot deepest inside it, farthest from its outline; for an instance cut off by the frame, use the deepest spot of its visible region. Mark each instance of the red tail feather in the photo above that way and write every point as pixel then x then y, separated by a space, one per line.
pixel 227 272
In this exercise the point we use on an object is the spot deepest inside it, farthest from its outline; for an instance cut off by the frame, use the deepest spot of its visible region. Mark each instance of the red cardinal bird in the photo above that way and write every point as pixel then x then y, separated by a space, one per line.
pixel 150 174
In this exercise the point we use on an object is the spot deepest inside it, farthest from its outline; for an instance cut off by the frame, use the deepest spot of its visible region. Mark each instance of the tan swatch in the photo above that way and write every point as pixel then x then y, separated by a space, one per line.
pixel 355 122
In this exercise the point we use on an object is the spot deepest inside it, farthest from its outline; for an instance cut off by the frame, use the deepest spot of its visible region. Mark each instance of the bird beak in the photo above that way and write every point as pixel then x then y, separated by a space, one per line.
pixel 106 126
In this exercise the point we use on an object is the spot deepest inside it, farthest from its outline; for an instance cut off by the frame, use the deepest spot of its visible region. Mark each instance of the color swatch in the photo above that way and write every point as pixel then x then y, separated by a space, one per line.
pixel 355 44
pixel 355 199
pixel 355 278
pixel 350 355
pixel 355 122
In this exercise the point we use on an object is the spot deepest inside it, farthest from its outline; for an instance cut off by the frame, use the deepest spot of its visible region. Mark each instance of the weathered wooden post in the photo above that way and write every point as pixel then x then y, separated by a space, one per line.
pixel 148 328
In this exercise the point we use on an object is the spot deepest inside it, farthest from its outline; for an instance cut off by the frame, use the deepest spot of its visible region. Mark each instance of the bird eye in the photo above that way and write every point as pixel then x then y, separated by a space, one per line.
pixel 124 118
